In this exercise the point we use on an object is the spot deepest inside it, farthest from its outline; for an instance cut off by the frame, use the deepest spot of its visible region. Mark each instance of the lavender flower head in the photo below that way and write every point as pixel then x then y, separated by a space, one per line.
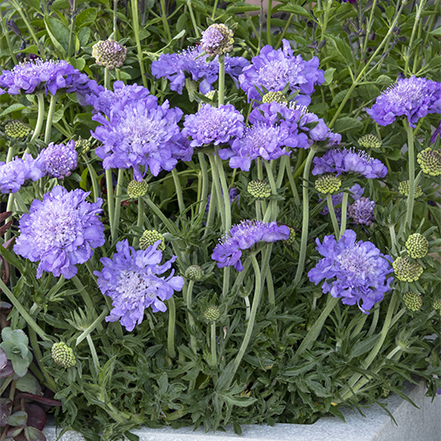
pixel 193 61
pixel 353 271
pixel 15 173
pixel 217 39
pixel 412 97
pixel 345 161
pixel 131 280
pixel 58 160
pixel 48 76
pixel 242 237
pixel 60 232
pixel 142 134
pixel 217 125
pixel 274 69
pixel 362 211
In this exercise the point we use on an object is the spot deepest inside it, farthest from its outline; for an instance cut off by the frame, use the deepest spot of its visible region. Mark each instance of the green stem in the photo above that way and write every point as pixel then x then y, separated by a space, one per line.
pixel 115 16
pixel 8 40
pixel 204 176
pixel 417 18
pixel 213 15
pixel 369 27
pixel 188 297
pixel 95 359
pixel 211 210
pixel 218 201
pixel 93 178
pixel 140 220
pixel 40 118
pixel 333 216
pixel 171 328
pixel 193 20
pixel 268 21
pixel 179 193
pixel 72 27
pixel 393 239
pixel 286 161
pixel 221 79
pixel 110 202
pixel 272 182
pixel 374 322
pixel 305 217
pixel 411 159
pixel 213 344
pixel 344 210
pixel 164 21
pixel 170 226
pixel 225 191
pixel 116 215
pixel 285 30
pixel 135 21
pixel 22 311
pixel 50 117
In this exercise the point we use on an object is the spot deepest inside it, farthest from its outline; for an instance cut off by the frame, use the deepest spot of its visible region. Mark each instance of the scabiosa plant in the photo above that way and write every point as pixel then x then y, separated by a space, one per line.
pixel 60 232
pixel 109 53
pixel 58 160
pixel 217 39
pixel 345 161
pixel 193 62
pixel 48 76
pixel 412 97
pixel 244 236
pixel 141 135
pixel 362 211
pixel 354 271
pixel 217 125
pixel 430 162
pixel 275 69
pixel 16 172
pixel 131 279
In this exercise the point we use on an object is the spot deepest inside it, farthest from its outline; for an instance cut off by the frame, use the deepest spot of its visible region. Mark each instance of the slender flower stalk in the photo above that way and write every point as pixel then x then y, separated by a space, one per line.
pixel 344 210
pixel 171 328
pixel 135 21
pixel 333 216
pixel 179 193
pixel 411 160
pixel 40 117
pixel 50 116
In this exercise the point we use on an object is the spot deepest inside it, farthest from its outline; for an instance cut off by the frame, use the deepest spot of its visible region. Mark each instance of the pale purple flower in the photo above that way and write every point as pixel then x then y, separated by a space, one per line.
pixel 131 280
pixel 60 232
pixel 274 69
pixel 412 97
pixel 58 160
pixel 217 125
pixel 345 161
pixel 244 236
pixel 362 211
pixel 353 271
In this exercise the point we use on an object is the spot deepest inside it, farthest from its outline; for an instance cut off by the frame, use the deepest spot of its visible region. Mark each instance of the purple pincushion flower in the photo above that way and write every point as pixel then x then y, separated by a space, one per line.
pixel 48 76
pixel 274 69
pixel 242 237
pixel 353 271
pixel 59 160
pixel 193 61
pixel 15 173
pixel 131 280
pixel 142 134
pixel 217 125
pixel 60 232
pixel 411 97
pixel 345 161
pixel 362 211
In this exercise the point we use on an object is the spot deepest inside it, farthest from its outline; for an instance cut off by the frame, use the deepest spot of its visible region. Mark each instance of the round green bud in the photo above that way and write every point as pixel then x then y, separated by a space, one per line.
pixel 417 246
pixel 210 94
pixel 437 304
pixel 194 272
pixel 149 238
pixel 109 53
pixel 82 145
pixel 277 97
pixel 413 301
pixel 403 189
pixel 212 313
pixel 259 189
pixel 385 392
pixel 16 129
pixel 370 142
pixel 407 270
pixel 292 236
pixel 430 162
pixel 328 184
pixel 63 355
pixel 137 189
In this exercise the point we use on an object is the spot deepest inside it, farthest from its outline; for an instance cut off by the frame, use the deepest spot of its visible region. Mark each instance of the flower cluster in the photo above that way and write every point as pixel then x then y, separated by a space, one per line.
pixel 15 173
pixel 131 280
pixel 109 53
pixel 193 61
pixel 353 271
pixel 362 211
pixel 412 97
pixel 58 160
pixel 275 69
pixel 142 134
pixel 345 161
pixel 217 125
pixel 60 232
pixel 217 39
pixel 242 237
pixel 48 76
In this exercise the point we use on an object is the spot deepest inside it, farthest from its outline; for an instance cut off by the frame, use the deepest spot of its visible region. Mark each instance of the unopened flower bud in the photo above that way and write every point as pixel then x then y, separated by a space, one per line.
pixel 212 313
pixel 403 189
pixel 137 189
pixel 328 184
pixel 259 189
pixel 413 301
pixel 217 39
pixel 16 129
pixel 437 304
pixel 82 145
pixel 272 97
pixel 292 235
pixel 63 355
pixel 407 270
pixel 210 94
pixel 149 238
pixel 430 162
pixel 194 272
pixel 369 141
pixel 417 245
pixel 109 53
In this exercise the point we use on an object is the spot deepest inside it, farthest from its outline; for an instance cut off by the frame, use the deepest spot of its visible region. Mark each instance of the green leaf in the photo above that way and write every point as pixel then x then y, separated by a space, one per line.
pixel 295 9
pixel 436 31
pixel 33 434
pixel 340 96
pixel 32 49
pixel 18 418
pixel 12 108
pixel 344 124
pixel 49 21
pixel 86 17
pixel 384 80
pixel 368 91
pixel 63 4
pixel 329 75
pixel 33 4
pixel 239 7
pixel 361 347
pixel 83 35
pixel 29 384
pixel 11 258
pixel 390 11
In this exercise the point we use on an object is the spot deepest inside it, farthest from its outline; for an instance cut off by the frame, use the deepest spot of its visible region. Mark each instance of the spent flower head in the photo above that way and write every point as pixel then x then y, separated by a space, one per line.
pixel 406 269
pixel 370 141
pixel 413 301
pixel 217 39
pixel 194 272
pixel 259 189
pixel 403 188
pixel 109 53
pixel 417 246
